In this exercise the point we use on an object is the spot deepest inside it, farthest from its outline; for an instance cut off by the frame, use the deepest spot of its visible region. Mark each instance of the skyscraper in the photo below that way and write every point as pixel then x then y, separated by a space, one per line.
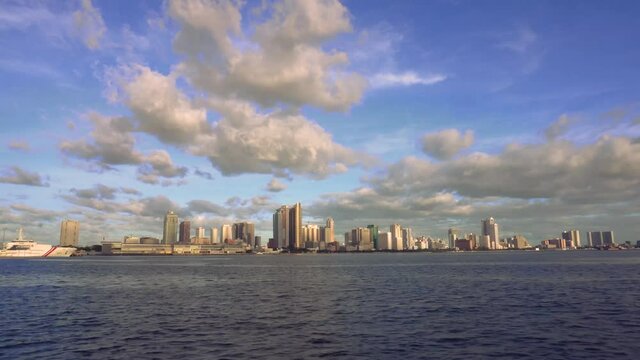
pixel 185 232
pixel 244 231
pixel 331 227
pixel 213 234
pixel 226 233
pixel 453 236
pixel 373 230
pixel 396 237
pixel 295 227
pixel 572 236
pixel 607 238
pixel 170 232
pixel 595 238
pixel 490 228
pixel 281 227
pixel 69 233
pixel 407 238
pixel 200 232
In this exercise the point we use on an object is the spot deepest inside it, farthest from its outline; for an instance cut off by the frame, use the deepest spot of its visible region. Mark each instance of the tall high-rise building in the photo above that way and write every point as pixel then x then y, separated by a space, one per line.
pixel 225 233
pixel 572 236
pixel 607 238
pixel 244 231
pixel 373 230
pixel 213 235
pixel 295 227
pixel 69 233
pixel 200 232
pixel 185 232
pixel 595 238
pixel 490 228
pixel 453 236
pixel 332 229
pixel 407 238
pixel 170 232
pixel 396 237
pixel 281 227
pixel 310 235
pixel 384 241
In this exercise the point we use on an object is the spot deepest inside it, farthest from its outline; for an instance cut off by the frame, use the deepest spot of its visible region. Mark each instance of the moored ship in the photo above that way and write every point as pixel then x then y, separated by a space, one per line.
pixel 22 247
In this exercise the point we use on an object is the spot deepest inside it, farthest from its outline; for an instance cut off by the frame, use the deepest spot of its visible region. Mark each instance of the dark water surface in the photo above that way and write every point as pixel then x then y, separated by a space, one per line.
pixel 551 305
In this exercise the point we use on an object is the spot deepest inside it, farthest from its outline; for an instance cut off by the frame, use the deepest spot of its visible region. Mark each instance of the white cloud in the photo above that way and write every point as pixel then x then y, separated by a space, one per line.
pixel 89 23
pixel 17 175
pixel 19 145
pixel 447 143
pixel 409 78
pixel 558 127
pixel 276 186
pixel 283 63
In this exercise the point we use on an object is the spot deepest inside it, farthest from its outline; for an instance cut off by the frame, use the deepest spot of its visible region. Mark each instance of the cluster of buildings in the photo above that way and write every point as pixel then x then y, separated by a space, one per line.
pixel 571 240
pixel 289 234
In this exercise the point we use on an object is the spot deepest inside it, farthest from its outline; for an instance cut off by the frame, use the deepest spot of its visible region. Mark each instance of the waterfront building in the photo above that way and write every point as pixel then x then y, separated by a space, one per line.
pixel 573 236
pixel 407 238
pixel 69 233
pixel 257 242
pixel 185 232
pixel 226 234
pixel 170 231
pixel 347 238
pixel 295 227
pixel 384 241
pixel 213 235
pixel 490 228
pixel 360 239
pixel 462 244
pixel 331 227
pixel 595 238
pixel 374 231
pixel 453 236
pixel 396 237
pixel 244 231
pixel 311 235
pixel 281 227
pixel 608 239
pixel 200 232
pixel 485 242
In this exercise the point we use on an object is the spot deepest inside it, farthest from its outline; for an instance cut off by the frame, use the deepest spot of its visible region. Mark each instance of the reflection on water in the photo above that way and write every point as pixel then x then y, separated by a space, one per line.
pixel 511 305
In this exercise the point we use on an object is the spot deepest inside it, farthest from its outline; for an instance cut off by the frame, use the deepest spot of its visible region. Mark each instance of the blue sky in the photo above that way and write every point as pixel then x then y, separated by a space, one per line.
pixel 426 113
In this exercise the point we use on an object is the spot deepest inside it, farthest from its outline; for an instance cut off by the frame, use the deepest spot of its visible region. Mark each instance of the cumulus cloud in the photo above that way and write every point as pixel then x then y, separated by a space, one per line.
pixel 245 141
pixel 160 108
pixel 113 143
pixel 19 176
pixel 19 145
pixel 284 62
pixel 409 78
pixel 558 127
pixel 447 143
pixel 275 185
pixel 89 23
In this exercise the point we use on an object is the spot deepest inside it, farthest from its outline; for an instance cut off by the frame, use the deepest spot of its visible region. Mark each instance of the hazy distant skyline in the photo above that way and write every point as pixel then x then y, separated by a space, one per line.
pixel 430 114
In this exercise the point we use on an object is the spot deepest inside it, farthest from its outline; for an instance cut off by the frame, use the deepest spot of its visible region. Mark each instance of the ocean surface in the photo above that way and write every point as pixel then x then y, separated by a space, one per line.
pixel 542 305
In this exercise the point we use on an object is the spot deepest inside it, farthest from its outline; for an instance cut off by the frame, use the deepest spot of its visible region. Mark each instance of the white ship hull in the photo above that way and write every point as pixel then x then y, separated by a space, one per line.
pixel 40 250
pixel 29 248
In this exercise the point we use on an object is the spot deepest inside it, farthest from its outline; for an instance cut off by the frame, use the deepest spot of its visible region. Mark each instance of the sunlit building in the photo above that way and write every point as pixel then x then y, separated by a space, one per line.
pixel 69 233
pixel 170 231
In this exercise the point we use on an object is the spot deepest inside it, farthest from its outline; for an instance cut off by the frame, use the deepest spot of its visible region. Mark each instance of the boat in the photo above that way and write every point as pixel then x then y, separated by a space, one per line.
pixel 22 247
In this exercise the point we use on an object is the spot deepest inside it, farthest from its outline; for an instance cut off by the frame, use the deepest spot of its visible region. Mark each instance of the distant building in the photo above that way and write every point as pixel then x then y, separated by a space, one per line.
pixel 295 227
pixel 69 233
pixel 170 232
pixel 226 233
pixel 572 236
pixel 384 241
pixel 213 235
pixel 244 231
pixel 257 242
pixel 396 237
pixel 607 238
pixel 453 236
pixel 281 227
pixel 331 227
pixel 185 232
pixel 200 232
pixel 595 239
pixel 407 238
pixel 490 228
pixel 373 230
pixel 518 242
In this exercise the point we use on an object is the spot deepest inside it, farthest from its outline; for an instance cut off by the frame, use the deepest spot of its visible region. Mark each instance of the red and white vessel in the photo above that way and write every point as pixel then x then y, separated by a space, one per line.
pixel 22 247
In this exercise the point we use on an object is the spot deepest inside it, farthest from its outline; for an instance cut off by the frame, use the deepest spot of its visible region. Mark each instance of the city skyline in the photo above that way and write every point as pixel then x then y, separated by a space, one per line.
pixel 366 112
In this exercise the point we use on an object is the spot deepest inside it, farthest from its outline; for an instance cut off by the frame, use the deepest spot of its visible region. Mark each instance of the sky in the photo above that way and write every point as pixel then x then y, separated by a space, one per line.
pixel 430 114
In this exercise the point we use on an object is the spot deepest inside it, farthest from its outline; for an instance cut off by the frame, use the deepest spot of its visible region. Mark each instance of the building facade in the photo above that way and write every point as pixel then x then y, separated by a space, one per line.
pixel 170 231
pixel 69 233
